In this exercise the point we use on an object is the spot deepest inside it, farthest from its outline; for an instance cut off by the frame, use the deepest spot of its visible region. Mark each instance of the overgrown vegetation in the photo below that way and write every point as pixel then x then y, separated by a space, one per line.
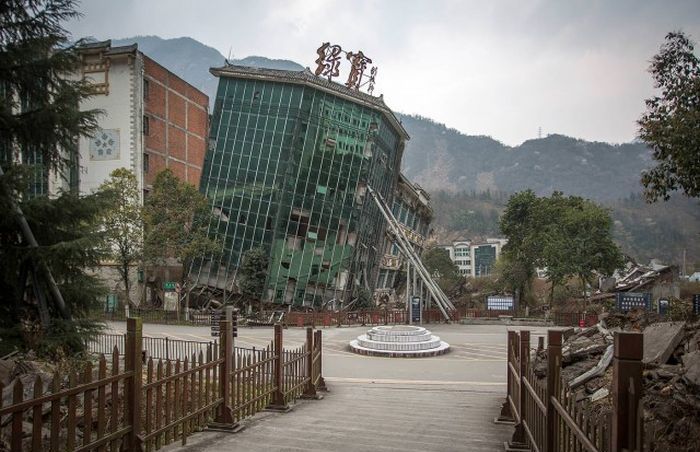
pixel 252 273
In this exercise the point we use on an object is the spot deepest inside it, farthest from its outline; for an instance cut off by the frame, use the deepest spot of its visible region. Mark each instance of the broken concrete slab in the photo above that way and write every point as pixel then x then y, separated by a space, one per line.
pixel 691 362
pixel 599 394
pixel 660 340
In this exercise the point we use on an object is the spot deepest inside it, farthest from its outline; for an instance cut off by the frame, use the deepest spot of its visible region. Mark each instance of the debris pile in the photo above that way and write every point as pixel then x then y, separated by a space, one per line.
pixel 671 359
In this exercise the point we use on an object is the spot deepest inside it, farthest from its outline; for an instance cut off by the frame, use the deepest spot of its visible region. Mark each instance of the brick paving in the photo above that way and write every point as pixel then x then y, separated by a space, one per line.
pixel 446 403
pixel 362 416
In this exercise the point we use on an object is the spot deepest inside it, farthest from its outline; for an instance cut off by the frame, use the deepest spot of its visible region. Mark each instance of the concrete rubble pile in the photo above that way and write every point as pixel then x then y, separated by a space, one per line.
pixel 671 399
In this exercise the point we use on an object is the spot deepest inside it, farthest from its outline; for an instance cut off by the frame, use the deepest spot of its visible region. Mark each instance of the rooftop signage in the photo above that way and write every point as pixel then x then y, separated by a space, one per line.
pixel 328 65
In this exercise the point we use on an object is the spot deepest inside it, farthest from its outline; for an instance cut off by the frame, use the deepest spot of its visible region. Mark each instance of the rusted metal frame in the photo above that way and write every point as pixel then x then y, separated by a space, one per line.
pixel 25 405
pixel 580 435
pixel 183 373
pixel 182 419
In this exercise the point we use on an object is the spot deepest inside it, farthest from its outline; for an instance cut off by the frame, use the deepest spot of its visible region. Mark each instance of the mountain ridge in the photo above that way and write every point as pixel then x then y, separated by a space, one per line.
pixel 455 167
pixel 442 158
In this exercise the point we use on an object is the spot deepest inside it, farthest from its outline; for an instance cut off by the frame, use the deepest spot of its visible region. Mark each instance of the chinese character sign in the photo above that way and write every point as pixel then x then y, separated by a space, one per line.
pixel 328 65
pixel 358 62
pixel 328 60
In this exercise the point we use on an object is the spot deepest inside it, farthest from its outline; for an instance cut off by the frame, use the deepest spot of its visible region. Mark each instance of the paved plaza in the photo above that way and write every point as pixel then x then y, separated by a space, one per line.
pixel 442 403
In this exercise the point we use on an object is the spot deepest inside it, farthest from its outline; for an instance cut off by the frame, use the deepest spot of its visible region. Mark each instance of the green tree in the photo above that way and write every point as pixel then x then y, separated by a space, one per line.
pixel 40 105
pixel 44 240
pixel 362 299
pixel 252 273
pixel 580 242
pixel 175 216
pixel 519 224
pixel 123 223
pixel 438 263
pixel 569 236
pixel 671 124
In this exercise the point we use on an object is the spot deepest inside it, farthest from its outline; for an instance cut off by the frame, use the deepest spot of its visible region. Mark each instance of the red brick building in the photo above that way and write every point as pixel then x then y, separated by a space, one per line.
pixel 176 121
pixel 151 120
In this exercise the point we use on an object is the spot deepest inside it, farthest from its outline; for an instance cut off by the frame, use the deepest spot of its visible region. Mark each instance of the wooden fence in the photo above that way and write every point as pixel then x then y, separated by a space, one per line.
pixel 548 418
pixel 147 405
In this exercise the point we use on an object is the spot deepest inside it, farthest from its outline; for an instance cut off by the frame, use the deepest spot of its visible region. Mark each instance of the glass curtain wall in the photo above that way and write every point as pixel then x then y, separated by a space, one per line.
pixel 287 170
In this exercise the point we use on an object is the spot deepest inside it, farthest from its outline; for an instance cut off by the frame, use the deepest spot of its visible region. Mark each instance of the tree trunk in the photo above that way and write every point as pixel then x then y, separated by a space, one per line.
pixel 551 294
pixel 125 277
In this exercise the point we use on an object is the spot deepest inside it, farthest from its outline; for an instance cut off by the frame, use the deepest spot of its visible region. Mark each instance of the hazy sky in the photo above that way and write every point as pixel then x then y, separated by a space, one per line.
pixel 498 68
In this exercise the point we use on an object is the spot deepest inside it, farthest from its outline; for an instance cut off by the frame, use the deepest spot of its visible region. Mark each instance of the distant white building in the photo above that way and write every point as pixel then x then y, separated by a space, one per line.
pixel 475 259
pixel 460 254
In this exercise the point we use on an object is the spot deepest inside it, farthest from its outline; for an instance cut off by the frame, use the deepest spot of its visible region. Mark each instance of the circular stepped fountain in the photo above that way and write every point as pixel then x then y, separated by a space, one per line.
pixel 401 341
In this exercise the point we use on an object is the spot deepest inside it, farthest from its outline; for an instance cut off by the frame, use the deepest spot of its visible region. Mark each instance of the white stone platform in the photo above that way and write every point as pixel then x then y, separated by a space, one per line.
pixel 401 341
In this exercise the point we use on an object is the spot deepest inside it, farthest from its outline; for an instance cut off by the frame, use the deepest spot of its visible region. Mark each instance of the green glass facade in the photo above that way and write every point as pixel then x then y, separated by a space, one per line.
pixel 287 170
pixel 484 259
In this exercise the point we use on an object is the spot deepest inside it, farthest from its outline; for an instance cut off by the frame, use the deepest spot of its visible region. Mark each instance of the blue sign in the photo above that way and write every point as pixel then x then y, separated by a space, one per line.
pixel 696 304
pixel 499 303
pixel 627 301
pixel 415 309
pixel 664 304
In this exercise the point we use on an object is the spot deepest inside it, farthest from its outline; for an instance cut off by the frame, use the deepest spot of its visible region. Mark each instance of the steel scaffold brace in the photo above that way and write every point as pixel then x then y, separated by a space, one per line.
pixel 443 303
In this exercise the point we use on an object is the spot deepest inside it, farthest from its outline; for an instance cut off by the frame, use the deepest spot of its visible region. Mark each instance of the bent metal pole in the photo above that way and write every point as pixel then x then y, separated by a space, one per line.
pixel 408 248
pixel 409 253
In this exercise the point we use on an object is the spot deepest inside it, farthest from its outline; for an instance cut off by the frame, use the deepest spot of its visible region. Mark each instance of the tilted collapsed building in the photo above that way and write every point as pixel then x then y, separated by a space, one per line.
pixel 290 161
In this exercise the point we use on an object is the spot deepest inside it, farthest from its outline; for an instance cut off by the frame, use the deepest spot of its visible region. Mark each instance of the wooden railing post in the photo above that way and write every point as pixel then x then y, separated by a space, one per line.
pixel 310 390
pixel 134 364
pixel 278 402
pixel 506 415
pixel 627 392
pixel 224 415
pixel 517 441
pixel 553 386
pixel 319 346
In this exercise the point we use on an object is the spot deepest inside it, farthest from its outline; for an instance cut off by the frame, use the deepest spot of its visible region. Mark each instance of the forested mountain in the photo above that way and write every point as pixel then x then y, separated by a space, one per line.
pixel 471 177
pixel 439 158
